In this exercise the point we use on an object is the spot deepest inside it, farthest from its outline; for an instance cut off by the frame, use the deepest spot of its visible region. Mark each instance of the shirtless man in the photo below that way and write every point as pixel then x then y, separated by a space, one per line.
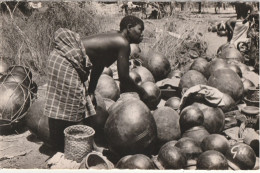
pixel 68 100
pixel 104 49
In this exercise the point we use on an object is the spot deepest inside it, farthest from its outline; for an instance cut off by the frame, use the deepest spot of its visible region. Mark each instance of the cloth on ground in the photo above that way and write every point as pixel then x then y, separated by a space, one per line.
pixel 211 95
pixel 68 70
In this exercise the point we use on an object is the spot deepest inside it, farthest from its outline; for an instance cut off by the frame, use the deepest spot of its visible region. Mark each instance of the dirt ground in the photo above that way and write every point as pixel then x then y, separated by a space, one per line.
pixel 25 151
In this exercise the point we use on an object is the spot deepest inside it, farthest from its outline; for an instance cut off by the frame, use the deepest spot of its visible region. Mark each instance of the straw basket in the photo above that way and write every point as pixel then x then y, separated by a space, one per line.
pixel 78 142
pixel 95 160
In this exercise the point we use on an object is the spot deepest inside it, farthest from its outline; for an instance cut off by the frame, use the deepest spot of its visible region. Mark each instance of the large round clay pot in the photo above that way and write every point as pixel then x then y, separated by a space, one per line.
pixel 242 155
pixel 17 69
pixel 130 128
pixel 107 87
pixel 19 78
pixel 236 69
pixel 229 103
pixel 247 84
pixel 190 79
pixel 152 95
pixel 214 119
pixel 97 122
pixel 37 122
pixel 215 142
pixel 173 102
pixel 15 101
pixel 190 147
pixel 137 161
pixel 190 116
pixel 201 65
pixel 108 71
pixel 123 97
pixel 145 74
pixel 170 157
pixel 198 133
pixel 227 81
pixel 156 63
pixel 135 77
pixel 212 160
pixel 217 64
pixel 231 53
pixel 167 123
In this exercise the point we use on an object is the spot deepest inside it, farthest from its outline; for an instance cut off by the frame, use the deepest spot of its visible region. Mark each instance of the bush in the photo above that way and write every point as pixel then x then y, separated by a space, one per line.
pixel 27 40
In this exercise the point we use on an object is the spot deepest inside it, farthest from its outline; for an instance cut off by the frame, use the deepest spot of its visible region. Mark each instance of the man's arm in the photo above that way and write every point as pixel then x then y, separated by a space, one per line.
pixel 230 23
pixel 126 83
pixel 94 76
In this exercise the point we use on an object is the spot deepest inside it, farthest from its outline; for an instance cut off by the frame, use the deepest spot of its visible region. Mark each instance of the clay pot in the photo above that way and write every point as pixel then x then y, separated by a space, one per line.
pixel 215 142
pixel 145 74
pixel 15 101
pixel 135 77
pixel 130 128
pixel 198 133
pixel 222 33
pixel 17 69
pixel 190 79
pixel 244 68
pixel 152 95
pixel 212 160
pixel 107 87
pixel 236 69
pixel 214 119
pixel 97 122
pixel 21 79
pixel 108 71
pixel 170 157
pixel 231 53
pixel 227 81
pixel 134 50
pixel 167 123
pixel 137 161
pixel 190 147
pixel 242 155
pixel 156 63
pixel 216 64
pixel 190 116
pixel 229 103
pixel 37 122
pixel 175 73
pixel 247 84
pixel 173 102
pixel 201 65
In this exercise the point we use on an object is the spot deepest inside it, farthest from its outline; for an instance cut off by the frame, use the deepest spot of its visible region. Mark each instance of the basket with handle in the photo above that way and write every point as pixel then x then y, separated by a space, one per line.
pixel 78 142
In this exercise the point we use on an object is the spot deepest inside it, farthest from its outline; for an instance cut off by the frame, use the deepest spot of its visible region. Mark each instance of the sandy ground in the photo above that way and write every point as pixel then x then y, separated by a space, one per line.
pixel 24 151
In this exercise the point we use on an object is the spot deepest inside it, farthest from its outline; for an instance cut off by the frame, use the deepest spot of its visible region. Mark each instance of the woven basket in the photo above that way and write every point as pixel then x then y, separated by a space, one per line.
pixel 78 142
pixel 95 160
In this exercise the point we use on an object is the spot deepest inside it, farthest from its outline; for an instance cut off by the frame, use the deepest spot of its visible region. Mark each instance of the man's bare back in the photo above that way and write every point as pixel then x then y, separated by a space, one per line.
pixel 103 49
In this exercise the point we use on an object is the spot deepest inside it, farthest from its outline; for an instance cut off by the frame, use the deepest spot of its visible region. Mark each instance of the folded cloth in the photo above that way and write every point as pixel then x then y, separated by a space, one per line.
pixel 240 32
pixel 211 95
pixel 68 70
pixel 172 83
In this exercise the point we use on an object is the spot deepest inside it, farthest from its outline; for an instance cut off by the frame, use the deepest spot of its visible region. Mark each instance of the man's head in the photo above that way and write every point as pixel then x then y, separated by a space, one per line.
pixel 130 20
pixel 133 28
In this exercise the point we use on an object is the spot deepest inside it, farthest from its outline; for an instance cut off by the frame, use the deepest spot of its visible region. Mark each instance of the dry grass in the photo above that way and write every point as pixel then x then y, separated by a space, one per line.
pixel 178 41
pixel 29 40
